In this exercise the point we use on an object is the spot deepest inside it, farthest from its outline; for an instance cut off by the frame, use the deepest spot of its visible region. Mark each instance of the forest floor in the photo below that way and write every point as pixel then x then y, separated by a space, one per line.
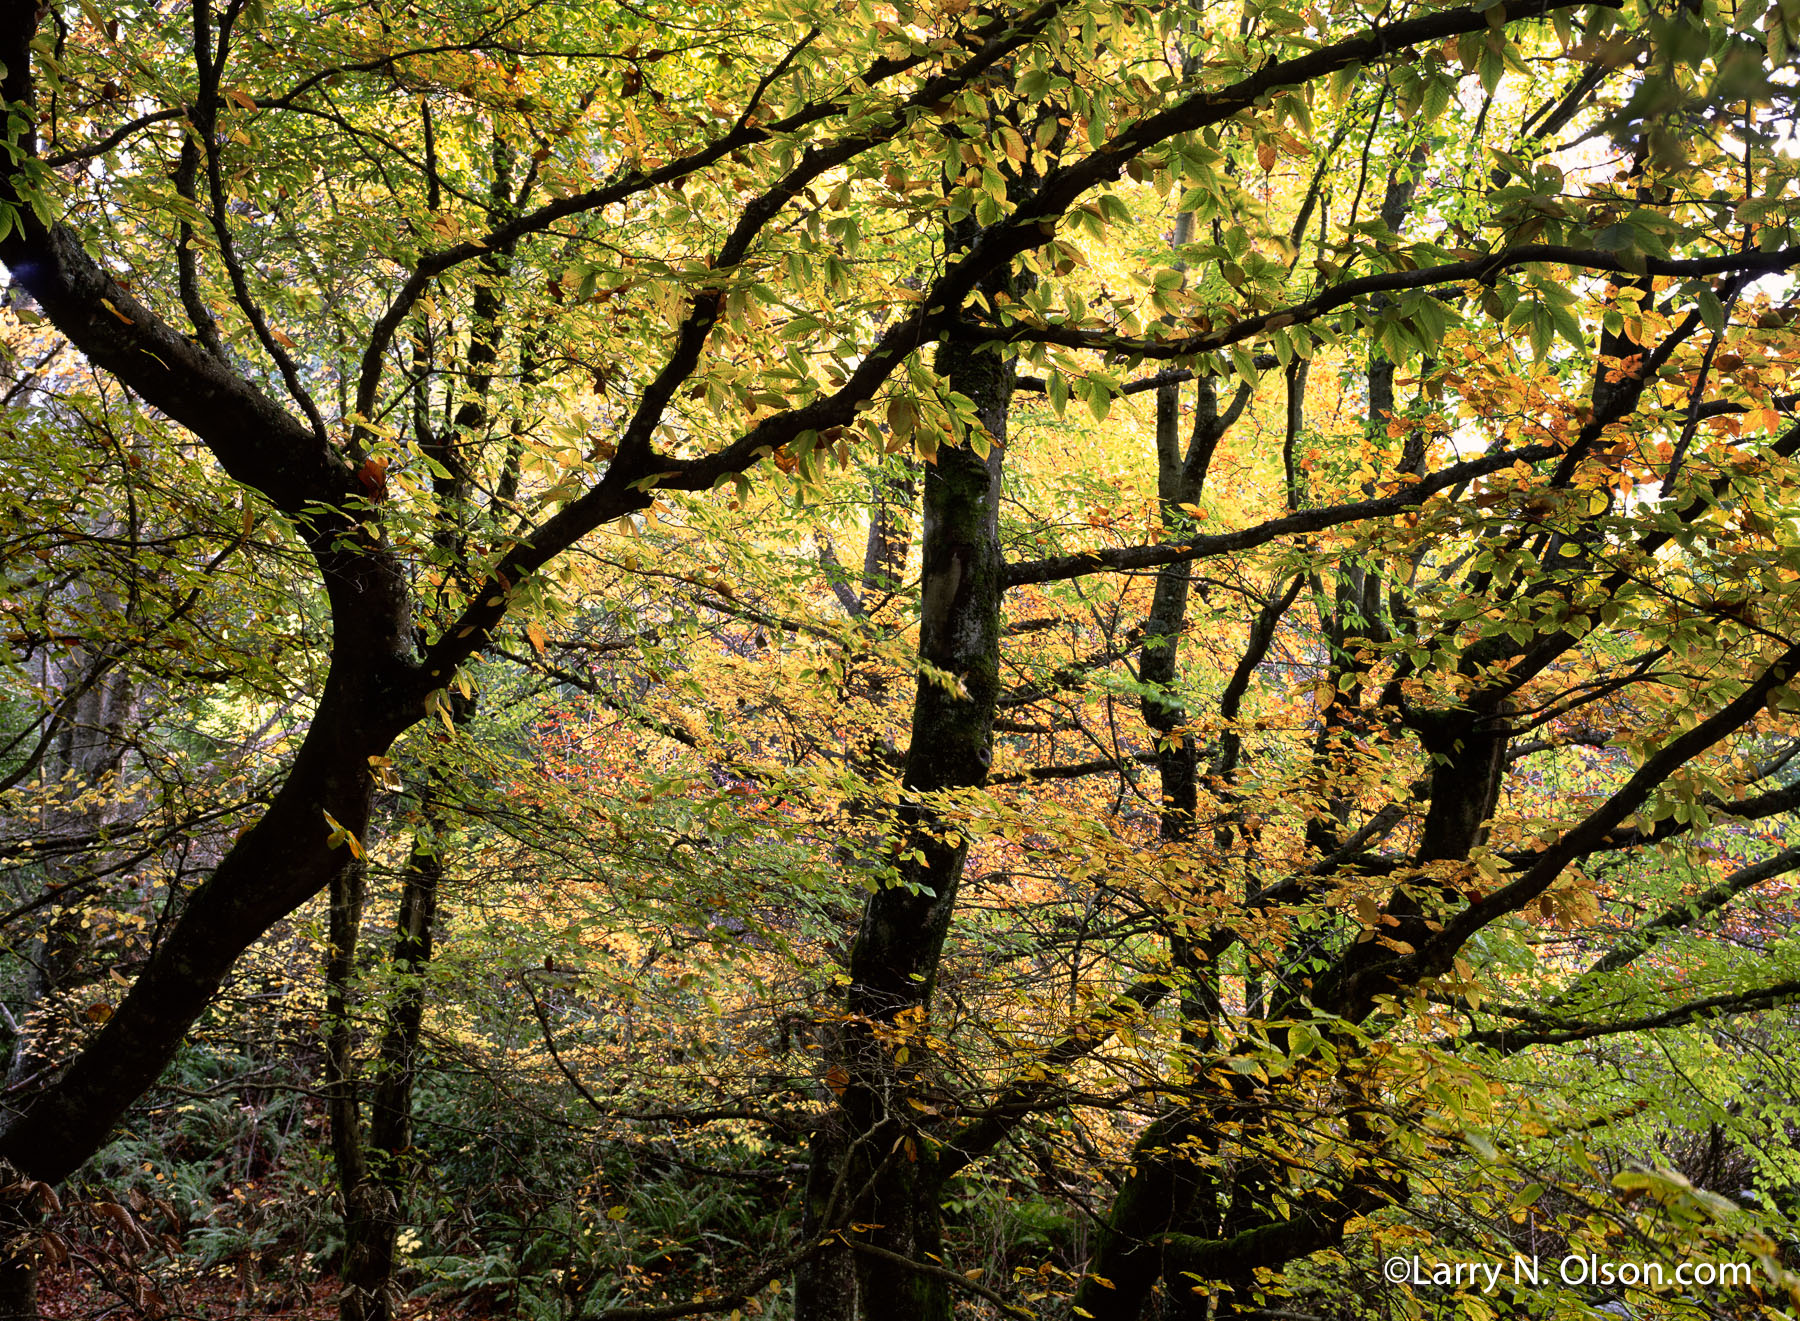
pixel 71 1293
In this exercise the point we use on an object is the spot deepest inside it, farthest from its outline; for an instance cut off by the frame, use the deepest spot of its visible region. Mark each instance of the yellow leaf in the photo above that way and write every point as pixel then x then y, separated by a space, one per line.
pixel 342 835
pixel 901 416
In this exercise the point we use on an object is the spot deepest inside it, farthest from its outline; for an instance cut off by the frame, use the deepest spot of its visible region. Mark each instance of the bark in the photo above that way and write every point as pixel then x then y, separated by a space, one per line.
pixel 825 1283
pixel 893 964
pixel 1181 477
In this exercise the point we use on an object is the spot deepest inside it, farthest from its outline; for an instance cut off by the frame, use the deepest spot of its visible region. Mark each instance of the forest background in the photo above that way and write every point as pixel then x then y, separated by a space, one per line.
pixel 1080 659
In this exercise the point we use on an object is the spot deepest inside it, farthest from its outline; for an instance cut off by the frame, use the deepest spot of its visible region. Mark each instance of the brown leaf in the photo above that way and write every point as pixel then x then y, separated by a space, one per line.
pixel 373 477
pixel 51 1245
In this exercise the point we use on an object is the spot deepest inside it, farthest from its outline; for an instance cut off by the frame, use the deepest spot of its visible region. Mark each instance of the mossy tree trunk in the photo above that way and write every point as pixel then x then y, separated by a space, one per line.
pixel 873 1167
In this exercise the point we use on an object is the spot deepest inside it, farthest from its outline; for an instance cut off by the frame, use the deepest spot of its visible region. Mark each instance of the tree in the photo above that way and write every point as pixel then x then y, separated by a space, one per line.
pixel 450 300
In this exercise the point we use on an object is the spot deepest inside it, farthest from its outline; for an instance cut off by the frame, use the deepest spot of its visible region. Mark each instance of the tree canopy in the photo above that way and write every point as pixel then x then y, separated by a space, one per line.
pixel 899 660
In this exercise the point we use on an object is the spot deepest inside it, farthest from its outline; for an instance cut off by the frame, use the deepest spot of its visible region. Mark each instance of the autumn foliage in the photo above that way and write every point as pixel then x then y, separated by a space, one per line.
pixel 878 662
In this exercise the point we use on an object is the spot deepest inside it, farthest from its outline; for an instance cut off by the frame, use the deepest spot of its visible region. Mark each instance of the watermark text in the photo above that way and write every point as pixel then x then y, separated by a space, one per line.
pixel 1535 1272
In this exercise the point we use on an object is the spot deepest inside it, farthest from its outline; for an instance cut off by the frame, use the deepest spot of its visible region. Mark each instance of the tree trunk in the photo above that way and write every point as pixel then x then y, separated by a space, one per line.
pixel 1127 1255
pixel 1128 1258
pixel 19 1218
pixel 361 1210
pixel 871 1152
pixel 373 1204
pixel 95 703
pixel 1166 1194
pixel 890 530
